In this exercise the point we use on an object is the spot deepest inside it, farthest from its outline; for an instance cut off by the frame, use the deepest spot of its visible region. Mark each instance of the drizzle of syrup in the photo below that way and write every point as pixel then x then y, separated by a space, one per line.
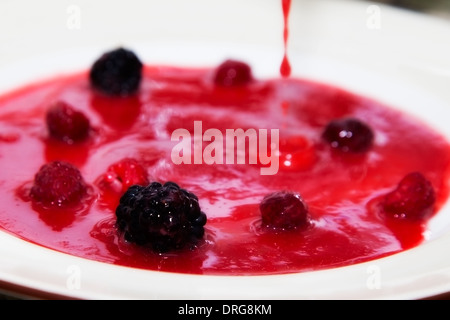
pixel 285 68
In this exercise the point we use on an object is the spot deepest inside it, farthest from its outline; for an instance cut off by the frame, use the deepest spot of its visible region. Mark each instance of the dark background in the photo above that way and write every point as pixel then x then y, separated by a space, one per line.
pixel 439 8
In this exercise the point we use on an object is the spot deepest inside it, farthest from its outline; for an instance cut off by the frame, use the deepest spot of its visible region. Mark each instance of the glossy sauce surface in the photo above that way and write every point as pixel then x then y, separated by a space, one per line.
pixel 336 186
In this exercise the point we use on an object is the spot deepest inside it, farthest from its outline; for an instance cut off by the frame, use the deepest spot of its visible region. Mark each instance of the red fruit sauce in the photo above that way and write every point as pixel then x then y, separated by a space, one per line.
pixel 336 186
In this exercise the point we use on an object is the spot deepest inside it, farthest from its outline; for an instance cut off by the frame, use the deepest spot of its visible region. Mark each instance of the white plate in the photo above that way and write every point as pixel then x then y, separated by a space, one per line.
pixel 394 56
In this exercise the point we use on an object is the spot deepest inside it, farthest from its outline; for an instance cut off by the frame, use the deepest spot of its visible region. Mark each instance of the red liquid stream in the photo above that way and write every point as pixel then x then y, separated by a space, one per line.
pixel 285 68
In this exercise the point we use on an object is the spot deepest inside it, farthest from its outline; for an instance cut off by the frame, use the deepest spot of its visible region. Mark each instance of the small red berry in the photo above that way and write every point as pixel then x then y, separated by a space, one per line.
pixel 66 124
pixel 58 184
pixel 284 210
pixel 233 73
pixel 413 198
pixel 349 135
pixel 123 174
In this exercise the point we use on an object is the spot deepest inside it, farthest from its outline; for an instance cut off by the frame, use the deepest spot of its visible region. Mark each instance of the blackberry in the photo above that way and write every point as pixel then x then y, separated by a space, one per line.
pixel 162 217
pixel 117 73
pixel 349 135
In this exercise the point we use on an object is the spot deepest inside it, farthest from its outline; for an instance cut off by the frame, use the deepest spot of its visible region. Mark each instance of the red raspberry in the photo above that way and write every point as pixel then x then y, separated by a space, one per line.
pixel 58 184
pixel 284 210
pixel 123 174
pixel 413 198
pixel 233 73
pixel 66 124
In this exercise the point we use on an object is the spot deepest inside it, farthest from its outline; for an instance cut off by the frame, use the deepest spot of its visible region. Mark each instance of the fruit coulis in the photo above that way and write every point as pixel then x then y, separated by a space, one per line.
pixel 338 187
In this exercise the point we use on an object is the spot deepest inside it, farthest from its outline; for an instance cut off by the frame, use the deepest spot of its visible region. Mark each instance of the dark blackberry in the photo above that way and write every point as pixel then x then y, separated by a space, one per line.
pixel 162 217
pixel 117 73
pixel 233 73
pixel 349 135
